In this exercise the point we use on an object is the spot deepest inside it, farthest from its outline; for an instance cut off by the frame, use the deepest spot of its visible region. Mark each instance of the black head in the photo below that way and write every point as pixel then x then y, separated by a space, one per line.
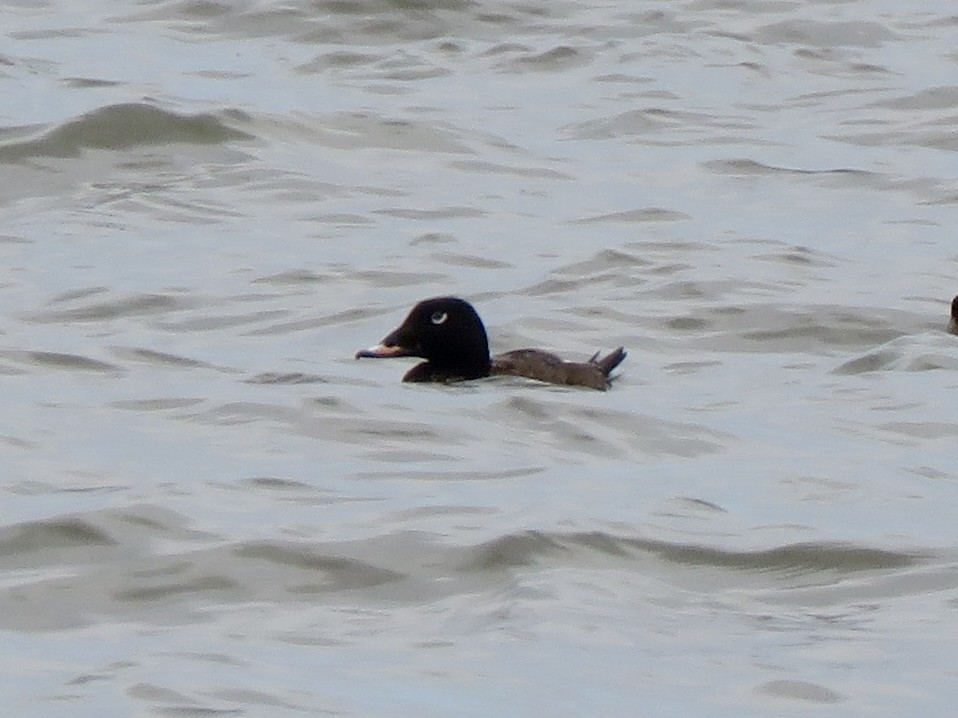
pixel 446 332
pixel 954 309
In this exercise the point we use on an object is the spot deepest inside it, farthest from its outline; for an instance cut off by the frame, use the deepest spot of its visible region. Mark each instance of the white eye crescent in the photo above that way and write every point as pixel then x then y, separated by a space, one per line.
pixel 439 317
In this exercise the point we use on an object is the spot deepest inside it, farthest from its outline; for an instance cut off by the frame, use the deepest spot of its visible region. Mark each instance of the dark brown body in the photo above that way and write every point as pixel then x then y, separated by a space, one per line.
pixel 543 366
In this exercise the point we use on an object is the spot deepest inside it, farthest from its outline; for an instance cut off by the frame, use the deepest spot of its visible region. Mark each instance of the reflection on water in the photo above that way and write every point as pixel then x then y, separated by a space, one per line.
pixel 209 506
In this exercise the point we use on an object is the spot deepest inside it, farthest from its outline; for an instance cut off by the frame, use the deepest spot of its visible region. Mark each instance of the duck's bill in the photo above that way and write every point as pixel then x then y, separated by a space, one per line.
pixel 383 351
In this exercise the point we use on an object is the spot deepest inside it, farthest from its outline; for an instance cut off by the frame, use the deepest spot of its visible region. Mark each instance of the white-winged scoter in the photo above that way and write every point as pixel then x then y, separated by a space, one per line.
pixel 448 333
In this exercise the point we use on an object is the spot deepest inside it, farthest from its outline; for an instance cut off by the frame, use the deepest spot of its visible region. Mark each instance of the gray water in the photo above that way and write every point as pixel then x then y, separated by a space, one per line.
pixel 210 508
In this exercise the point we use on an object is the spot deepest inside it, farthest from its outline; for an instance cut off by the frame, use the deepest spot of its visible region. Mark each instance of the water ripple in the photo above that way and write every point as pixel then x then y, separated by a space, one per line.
pixel 122 127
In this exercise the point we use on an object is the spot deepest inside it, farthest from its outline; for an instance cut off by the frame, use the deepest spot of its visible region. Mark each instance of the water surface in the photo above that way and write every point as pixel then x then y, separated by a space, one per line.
pixel 209 507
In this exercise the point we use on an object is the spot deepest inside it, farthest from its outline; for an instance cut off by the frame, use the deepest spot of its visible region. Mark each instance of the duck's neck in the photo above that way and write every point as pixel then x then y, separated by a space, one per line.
pixel 438 371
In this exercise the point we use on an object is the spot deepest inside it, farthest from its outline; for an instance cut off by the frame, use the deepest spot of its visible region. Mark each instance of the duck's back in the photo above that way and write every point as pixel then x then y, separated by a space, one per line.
pixel 543 366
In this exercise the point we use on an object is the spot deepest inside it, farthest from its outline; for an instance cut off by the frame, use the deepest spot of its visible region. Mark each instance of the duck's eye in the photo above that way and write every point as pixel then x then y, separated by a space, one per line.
pixel 439 317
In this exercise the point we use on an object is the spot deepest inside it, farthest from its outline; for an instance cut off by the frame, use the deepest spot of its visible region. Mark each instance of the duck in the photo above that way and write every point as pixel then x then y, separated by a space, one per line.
pixel 953 323
pixel 448 333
